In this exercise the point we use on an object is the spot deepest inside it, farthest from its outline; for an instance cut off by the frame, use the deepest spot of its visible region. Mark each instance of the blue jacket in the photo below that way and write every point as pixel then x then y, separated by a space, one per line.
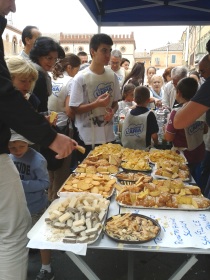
pixel 32 167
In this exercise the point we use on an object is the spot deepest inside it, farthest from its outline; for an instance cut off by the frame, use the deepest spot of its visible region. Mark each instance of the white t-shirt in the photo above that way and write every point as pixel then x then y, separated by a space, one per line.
pixel 87 87
pixel 56 101
pixel 120 75
pixel 134 131
pixel 169 95
pixel 122 104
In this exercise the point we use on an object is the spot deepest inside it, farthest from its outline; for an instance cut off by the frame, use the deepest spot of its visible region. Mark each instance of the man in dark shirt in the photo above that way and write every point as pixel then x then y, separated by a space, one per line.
pixel 16 113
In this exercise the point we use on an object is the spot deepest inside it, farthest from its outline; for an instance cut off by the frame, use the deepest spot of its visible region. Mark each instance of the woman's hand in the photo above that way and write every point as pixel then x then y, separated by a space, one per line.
pixel 158 103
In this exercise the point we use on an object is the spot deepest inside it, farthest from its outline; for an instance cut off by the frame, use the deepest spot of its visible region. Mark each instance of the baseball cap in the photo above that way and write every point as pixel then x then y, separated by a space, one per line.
pixel 17 137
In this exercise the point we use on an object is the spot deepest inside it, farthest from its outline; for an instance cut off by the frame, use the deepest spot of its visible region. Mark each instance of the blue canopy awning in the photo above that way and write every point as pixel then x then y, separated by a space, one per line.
pixel 148 12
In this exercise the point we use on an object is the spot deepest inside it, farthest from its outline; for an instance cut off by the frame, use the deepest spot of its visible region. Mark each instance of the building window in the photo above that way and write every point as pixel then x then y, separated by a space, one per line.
pixel 123 49
pixel 66 49
pixel 173 58
pixel 80 49
pixel 14 45
pixel 157 61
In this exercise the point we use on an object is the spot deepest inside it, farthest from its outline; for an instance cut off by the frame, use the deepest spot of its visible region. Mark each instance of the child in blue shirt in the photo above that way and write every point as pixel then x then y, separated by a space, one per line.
pixel 32 167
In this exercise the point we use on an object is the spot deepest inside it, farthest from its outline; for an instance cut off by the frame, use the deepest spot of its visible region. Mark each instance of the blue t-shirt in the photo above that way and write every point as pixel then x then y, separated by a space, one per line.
pixel 32 167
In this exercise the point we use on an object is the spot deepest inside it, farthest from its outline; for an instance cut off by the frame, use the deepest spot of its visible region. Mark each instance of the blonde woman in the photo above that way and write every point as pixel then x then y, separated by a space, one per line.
pixel 156 91
pixel 24 76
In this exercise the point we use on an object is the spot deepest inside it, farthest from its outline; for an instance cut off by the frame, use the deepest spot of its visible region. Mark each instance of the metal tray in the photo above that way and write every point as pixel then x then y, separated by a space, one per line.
pixel 132 241
pixel 61 193
pixel 136 171
pixel 130 181
pixel 167 178
pixel 186 207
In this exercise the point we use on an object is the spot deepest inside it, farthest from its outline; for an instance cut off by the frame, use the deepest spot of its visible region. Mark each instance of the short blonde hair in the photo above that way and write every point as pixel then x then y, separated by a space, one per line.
pixel 18 66
pixel 155 76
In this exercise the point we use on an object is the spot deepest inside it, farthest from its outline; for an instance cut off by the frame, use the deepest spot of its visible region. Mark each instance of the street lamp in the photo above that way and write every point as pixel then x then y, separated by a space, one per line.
pixel 167 50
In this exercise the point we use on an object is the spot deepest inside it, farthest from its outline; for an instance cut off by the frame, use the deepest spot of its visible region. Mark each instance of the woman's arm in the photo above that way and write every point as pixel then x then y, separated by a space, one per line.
pixel 188 114
pixel 68 110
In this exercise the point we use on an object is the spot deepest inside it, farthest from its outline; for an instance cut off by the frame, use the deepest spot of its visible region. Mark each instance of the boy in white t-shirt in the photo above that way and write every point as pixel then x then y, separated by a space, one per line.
pixel 140 126
pixel 94 96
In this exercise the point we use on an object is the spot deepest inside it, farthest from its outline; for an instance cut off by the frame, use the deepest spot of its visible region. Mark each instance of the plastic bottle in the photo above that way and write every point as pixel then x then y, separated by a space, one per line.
pixel 122 116
pixel 160 116
pixel 166 114
pixel 116 126
pixel 125 110
pixel 121 121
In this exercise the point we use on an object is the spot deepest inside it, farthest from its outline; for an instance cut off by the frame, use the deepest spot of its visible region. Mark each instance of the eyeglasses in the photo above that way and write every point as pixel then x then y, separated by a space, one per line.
pixel 201 72
pixel 51 59
pixel 115 63
pixel 204 71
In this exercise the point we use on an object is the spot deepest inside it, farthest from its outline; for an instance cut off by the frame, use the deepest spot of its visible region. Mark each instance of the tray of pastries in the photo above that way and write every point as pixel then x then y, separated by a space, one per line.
pixel 131 228
pixel 101 163
pixel 87 182
pixel 129 153
pixel 76 219
pixel 162 155
pixel 107 149
pixel 128 178
pixel 162 194
pixel 170 169
pixel 136 165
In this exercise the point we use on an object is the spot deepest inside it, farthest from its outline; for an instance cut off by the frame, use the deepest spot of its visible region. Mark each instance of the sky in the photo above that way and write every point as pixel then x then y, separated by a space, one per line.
pixel 69 16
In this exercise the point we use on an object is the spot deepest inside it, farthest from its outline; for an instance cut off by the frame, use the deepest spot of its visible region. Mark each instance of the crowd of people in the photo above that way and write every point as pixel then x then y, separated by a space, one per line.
pixel 37 154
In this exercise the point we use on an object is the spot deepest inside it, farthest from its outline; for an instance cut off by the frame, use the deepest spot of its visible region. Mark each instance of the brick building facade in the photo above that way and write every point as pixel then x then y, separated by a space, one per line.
pixel 12 40
pixel 75 43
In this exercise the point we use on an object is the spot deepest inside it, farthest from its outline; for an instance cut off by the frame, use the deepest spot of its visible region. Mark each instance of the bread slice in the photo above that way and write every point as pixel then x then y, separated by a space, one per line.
pixel 53 115
pixel 114 160
pixel 200 202
pixel 80 149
